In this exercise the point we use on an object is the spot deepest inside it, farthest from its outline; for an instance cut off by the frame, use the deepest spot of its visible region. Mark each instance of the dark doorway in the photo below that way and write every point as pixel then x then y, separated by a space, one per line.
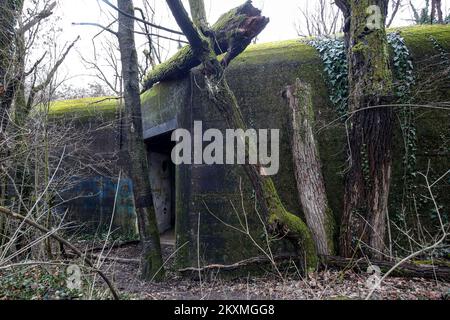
pixel 162 179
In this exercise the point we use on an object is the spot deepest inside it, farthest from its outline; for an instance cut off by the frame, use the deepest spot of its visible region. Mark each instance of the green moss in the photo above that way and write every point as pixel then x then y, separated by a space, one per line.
pixel 273 52
pixel 438 262
pixel 359 48
pixel 224 19
pixel 86 107
pixel 331 230
pixel 417 36
pixel 177 62
pixel 292 222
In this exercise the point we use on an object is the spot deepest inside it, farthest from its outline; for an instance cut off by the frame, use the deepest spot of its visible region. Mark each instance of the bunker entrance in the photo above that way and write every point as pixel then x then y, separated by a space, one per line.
pixel 162 179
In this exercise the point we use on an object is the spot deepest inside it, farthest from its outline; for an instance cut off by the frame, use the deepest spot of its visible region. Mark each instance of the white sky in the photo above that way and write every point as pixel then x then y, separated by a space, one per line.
pixel 284 15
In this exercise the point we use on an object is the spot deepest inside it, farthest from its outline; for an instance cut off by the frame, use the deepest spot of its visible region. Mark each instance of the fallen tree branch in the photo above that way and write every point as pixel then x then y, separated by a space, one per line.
pixel 63 241
pixel 405 270
pixel 233 32
pixel 238 265
pixel 47 12
pixel 116 246
pixel 106 258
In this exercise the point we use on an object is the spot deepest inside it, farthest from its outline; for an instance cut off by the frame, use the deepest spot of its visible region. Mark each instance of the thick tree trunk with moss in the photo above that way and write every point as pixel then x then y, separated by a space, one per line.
pixel 308 168
pixel 251 24
pixel 138 170
pixel 370 129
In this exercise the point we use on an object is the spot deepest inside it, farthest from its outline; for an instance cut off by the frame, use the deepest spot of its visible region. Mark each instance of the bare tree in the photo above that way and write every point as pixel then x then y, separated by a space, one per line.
pixel 396 6
pixel 324 19
pixel 138 170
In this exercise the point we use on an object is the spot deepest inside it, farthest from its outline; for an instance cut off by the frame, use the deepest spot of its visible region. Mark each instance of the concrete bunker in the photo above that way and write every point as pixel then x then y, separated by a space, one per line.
pixel 186 195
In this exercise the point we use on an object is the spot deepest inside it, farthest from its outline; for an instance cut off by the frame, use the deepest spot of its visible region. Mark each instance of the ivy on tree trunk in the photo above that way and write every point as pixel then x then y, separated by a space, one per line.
pixel 370 128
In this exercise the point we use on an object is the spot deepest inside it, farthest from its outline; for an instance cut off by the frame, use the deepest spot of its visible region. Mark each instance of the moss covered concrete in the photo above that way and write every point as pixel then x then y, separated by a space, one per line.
pixel 85 108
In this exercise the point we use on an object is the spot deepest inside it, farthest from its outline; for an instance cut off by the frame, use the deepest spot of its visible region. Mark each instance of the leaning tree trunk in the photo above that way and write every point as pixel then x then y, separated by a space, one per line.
pixel 152 266
pixel 308 168
pixel 242 24
pixel 370 128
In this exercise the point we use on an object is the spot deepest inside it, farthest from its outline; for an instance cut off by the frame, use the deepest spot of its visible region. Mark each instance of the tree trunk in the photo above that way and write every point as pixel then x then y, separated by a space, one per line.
pixel 436 9
pixel 138 170
pixel 308 168
pixel 370 129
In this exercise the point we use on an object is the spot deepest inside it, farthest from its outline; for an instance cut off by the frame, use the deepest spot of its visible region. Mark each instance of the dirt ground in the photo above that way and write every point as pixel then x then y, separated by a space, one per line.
pixel 324 285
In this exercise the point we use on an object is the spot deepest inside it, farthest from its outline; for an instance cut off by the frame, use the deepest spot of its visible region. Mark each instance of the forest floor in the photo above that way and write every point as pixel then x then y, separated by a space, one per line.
pixel 323 285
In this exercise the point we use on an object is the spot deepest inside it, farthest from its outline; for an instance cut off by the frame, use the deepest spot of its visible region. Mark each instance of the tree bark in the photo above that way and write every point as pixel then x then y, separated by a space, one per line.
pixel 369 130
pixel 138 170
pixel 308 168
pixel 198 13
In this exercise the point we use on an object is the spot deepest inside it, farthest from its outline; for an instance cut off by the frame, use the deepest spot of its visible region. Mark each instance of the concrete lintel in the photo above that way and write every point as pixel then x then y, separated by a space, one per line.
pixel 166 127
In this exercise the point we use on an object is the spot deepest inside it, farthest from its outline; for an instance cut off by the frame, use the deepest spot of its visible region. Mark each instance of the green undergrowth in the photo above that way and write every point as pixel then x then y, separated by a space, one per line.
pixel 36 283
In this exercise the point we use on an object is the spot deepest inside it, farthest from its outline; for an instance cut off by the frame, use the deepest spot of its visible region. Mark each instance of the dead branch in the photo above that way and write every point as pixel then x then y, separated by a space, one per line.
pixel 47 12
pixel 405 270
pixel 233 32
pixel 50 75
pixel 256 261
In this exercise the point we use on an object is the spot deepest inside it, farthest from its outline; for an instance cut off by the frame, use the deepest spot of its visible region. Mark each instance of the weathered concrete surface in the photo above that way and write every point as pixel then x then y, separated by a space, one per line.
pixel 205 193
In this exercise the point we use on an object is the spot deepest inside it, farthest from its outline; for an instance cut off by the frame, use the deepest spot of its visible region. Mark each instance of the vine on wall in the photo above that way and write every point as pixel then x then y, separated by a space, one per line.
pixel 405 80
pixel 332 52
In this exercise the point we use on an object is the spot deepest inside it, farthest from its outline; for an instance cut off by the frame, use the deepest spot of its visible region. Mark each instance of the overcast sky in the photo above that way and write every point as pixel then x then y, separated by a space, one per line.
pixel 284 16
